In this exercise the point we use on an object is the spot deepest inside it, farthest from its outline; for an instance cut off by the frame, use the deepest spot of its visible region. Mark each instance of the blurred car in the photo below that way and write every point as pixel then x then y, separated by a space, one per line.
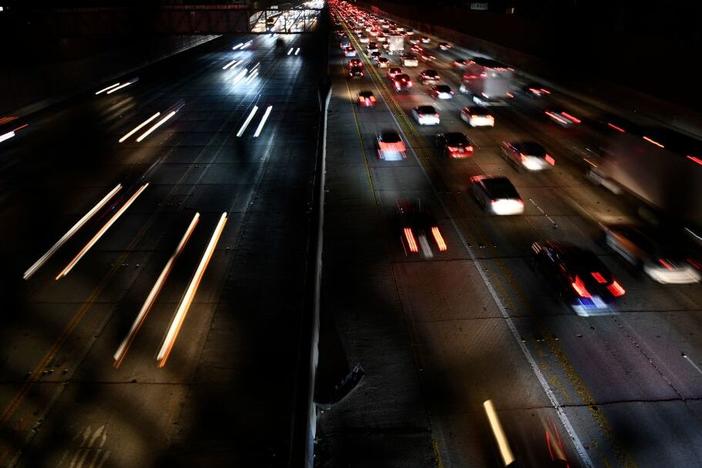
pixel 402 82
pixel 662 256
pixel 416 48
pixel 390 146
pixel 409 60
pixel 394 71
pixel 419 232
pixel 581 280
pixel 427 57
pixel 380 38
pixel 372 47
pixel 426 115
pixel 562 118
pixel 425 39
pixel 413 40
pixel 459 63
pixel 356 72
pixel 528 154
pixel 350 52
pixel 429 76
pixel 355 63
pixel 383 62
pixel 534 90
pixel 454 144
pixel 445 46
pixel 496 195
pixel 374 56
pixel 363 39
pixel 441 92
pixel 366 99
pixel 477 116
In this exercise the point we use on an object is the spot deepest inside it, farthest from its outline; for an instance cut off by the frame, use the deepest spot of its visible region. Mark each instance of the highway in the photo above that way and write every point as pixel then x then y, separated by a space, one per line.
pixel 162 327
pixel 438 337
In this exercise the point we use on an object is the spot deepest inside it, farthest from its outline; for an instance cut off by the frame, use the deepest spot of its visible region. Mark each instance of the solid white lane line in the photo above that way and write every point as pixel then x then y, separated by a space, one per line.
pixel 124 85
pixel 263 121
pixel 155 126
pixel 38 264
pixel 247 121
pixel 499 433
pixel 155 290
pixel 139 127
pixel 230 64
pixel 189 295
pixel 101 232
pixel 107 89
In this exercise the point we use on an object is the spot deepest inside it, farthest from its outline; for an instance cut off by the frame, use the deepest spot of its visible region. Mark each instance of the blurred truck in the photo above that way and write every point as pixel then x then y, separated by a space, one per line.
pixel 487 81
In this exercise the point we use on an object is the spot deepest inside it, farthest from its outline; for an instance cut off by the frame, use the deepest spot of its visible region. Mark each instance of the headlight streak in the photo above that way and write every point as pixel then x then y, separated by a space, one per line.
pixel 239 76
pixel 238 46
pixel 499 433
pixel 246 45
pixel 297 51
pixel 291 50
pixel 123 85
pixel 189 295
pixel 263 121
pixel 155 126
pixel 12 133
pixel 251 77
pixel 153 294
pixel 139 127
pixel 230 64
pixel 101 232
pixel 247 121
pixel 107 89
pixel 86 217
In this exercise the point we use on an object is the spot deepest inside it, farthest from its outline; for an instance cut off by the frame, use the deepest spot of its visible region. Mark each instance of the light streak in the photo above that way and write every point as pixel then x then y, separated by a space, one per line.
pixel 123 85
pixel 151 298
pixel 155 126
pixel 263 121
pixel 499 433
pixel 38 264
pixel 291 50
pixel 107 89
pixel 189 295
pixel 101 232
pixel 247 121
pixel 297 51
pixel 230 64
pixel 139 127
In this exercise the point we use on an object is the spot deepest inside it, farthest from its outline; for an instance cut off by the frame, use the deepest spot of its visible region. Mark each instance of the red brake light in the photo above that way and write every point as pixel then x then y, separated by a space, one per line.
pixel 598 277
pixel 616 289
pixel 411 242
pixel 580 288
pixel 665 264
pixel 439 239
pixel 570 117
pixel 549 159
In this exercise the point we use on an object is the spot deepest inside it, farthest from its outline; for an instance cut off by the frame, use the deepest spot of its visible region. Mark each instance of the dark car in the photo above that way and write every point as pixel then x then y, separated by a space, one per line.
pixel 366 99
pixel 580 278
pixel 402 82
pixel 454 144
pixel 356 72
pixel 419 232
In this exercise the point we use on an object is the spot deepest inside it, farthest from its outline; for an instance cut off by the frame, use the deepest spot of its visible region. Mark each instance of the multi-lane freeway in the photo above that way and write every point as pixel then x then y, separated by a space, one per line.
pixel 439 335
pixel 154 249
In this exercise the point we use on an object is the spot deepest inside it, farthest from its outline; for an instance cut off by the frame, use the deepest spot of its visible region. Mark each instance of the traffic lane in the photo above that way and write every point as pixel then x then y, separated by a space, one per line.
pixel 389 198
pixel 294 72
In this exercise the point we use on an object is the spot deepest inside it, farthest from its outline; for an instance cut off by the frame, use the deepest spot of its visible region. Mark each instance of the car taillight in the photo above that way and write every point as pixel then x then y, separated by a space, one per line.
pixel 469 149
pixel 694 263
pixel 579 287
pixel 411 242
pixel 616 289
pixel 598 277
pixel 549 159
pixel 453 149
pixel 665 264
pixel 439 239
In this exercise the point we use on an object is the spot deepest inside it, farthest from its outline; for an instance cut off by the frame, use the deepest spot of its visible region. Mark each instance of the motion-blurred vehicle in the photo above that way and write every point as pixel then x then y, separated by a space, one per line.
pixel 477 116
pixel 441 91
pixel 445 46
pixel 391 147
pixel 402 82
pixel 356 72
pixel 426 56
pixel 487 82
pixel 372 47
pixel 454 144
pixel 580 279
pixel 534 90
pixel 344 44
pixel 429 76
pixel 366 99
pixel 383 62
pixel 496 195
pixel 425 39
pixel 409 60
pixel 419 232
pixel 562 118
pixel 459 63
pixel 662 256
pixel 363 39
pixel 374 56
pixel 380 38
pixel 394 71
pixel 413 40
pixel 350 52
pixel 527 154
pixel 426 115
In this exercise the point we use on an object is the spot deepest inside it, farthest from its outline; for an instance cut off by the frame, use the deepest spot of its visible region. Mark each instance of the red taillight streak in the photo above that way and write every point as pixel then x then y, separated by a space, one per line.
pixel 616 289
pixel 580 288
pixel 411 242
pixel 652 141
pixel 619 129
pixel 598 277
pixel 665 264
pixel 695 263
pixel 570 117
pixel 695 159
pixel 439 239
pixel 549 159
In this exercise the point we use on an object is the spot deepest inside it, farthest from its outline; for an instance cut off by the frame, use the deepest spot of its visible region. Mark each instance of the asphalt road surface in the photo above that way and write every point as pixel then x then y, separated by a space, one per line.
pixel 221 394
pixel 439 336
